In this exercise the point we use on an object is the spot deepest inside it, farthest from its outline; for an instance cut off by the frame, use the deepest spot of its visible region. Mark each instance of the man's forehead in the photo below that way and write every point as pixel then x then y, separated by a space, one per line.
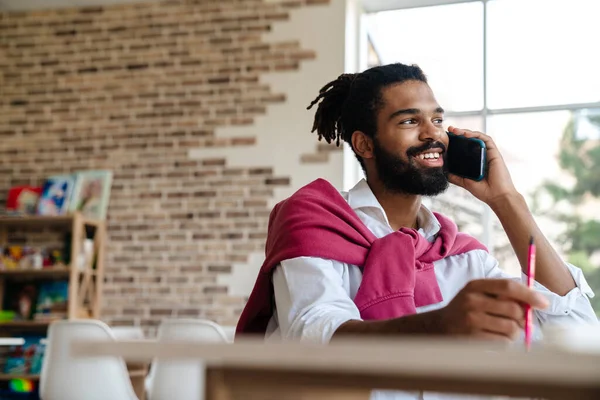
pixel 411 94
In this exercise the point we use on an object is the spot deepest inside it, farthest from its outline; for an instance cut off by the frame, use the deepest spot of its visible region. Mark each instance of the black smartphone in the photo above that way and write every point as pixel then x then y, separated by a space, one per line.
pixel 466 157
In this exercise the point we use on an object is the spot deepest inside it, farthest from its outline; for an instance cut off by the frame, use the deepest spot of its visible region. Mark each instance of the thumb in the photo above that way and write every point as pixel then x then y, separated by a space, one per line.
pixel 456 180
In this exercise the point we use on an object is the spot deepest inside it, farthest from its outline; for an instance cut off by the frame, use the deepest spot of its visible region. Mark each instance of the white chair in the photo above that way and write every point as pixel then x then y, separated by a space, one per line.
pixel 65 377
pixel 181 379
pixel 127 332
pixel 230 332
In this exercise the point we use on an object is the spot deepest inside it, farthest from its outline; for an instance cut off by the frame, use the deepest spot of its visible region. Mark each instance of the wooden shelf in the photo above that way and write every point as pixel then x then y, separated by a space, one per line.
pixel 54 272
pixel 85 283
pixel 8 377
pixel 35 220
pixel 44 220
pixel 24 325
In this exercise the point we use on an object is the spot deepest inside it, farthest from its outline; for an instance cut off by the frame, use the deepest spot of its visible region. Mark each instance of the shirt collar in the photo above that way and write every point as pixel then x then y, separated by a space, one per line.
pixel 361 196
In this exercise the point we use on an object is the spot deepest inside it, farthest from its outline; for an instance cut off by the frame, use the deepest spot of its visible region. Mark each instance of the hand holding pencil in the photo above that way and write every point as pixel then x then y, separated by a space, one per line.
pixel 490 309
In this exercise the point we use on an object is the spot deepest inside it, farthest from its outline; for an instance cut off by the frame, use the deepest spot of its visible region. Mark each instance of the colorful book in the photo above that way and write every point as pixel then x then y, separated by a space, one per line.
pixel 56 193
pixel 52 301
pixel 92 193
pixel 26 358
pixel 23 200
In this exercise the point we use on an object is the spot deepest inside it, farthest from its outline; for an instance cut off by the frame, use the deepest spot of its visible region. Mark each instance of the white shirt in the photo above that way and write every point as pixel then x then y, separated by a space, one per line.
pixel 314 296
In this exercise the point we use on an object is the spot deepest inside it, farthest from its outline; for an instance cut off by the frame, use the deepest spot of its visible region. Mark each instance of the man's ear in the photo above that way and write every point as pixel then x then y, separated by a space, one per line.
pixel 362 144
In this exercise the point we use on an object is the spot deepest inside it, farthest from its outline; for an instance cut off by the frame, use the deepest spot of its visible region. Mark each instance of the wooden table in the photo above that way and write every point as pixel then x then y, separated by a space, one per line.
pixel 351 368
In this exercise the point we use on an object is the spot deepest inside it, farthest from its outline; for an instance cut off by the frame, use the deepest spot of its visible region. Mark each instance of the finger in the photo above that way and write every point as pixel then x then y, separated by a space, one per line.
pixel 489 142
pixel 503 308
pixel 465 132
pixel 500 326
pixel 510 289
pixel 515 310
pixel 455 130
pixel 456 180
pixel 498 306
pixel 462 131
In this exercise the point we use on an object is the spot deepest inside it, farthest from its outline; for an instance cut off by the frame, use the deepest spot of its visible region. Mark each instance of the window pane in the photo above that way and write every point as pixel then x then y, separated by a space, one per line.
pixel 445 41
pixel 529 143
pixel 474 123
pixel 554 160
pixel 542 52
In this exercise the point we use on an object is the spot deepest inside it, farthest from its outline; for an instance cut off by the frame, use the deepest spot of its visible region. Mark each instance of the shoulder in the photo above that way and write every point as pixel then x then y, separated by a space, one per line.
pixel 317 194
pixel 318 188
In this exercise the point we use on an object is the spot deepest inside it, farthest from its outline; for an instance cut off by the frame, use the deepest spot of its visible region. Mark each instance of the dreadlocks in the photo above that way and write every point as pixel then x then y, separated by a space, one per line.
pixel 329 113
pixel 351 102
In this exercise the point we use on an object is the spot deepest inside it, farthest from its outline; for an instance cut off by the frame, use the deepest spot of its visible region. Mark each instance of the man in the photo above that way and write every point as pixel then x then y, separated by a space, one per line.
pixel 375 261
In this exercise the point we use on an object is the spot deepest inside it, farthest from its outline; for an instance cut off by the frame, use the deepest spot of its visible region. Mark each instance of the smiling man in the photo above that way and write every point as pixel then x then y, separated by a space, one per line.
pixel 374 260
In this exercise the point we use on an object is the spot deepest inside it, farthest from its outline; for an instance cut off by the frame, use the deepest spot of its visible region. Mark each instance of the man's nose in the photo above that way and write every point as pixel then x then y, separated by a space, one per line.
pixel 430 132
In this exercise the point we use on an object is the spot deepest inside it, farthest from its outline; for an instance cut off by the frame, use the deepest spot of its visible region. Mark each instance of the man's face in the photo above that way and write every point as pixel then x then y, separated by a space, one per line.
pixel 410 143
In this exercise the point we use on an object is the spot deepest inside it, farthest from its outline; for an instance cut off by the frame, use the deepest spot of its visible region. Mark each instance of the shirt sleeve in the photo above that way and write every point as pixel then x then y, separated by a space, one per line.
pixel 572 308
pixel 310 299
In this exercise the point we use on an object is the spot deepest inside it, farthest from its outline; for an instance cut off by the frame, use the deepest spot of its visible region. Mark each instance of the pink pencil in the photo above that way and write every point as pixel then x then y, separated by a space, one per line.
pixel 530 280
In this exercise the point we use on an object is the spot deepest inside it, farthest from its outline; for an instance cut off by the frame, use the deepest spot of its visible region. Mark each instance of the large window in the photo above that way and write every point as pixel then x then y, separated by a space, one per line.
pixel 527 73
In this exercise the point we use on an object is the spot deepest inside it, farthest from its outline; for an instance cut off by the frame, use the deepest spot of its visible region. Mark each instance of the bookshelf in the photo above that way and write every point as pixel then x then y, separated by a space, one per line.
pixel 17 221
pixel 56 272
pixel 23 326
pixel 85 282
pixel 84 275
pixel 8 377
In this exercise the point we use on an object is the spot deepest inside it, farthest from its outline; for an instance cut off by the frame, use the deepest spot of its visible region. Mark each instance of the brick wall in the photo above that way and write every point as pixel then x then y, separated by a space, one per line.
pixel 133 88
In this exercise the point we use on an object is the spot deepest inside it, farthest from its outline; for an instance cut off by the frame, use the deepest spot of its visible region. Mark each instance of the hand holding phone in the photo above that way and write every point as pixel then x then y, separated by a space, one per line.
pixel 466 157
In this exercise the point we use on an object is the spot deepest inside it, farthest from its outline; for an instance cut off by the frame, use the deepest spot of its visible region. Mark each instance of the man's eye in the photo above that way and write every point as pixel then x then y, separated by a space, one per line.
pixel 438 120
pixel 408 121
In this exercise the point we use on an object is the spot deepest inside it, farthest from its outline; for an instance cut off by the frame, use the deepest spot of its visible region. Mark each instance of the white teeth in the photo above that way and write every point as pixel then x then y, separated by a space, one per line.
pixel 424 156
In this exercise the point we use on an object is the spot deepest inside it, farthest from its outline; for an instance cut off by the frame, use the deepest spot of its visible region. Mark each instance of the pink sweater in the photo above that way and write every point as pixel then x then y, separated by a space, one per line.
pixel 398 273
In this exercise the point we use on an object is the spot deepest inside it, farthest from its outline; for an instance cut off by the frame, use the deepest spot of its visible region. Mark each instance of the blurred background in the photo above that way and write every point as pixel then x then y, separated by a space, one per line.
pixel 181 123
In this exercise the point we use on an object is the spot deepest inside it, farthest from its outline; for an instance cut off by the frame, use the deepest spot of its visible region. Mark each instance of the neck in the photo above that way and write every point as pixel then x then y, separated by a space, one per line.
pixel 401 209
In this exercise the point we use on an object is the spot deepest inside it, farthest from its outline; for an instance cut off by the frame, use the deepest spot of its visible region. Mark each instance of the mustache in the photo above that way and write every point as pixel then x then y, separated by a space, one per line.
pixel 413 151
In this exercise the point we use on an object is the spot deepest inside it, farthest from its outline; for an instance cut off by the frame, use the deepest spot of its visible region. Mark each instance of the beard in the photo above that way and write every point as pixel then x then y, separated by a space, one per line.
pixel 407 177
